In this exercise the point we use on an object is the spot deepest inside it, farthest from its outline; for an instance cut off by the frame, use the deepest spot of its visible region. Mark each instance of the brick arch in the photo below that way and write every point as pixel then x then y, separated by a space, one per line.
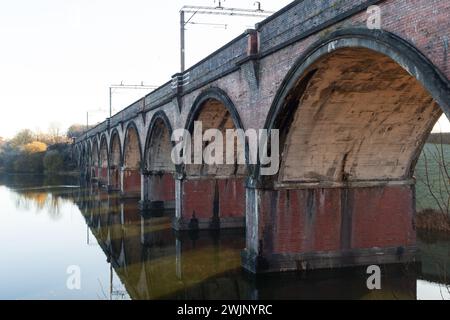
pixel 215 109
pixel 115 160
pixel 115 148
pixel 159 190
pixel 135 143
pixel 81 155
pixel 213 94
pixel 326 68
pixel 83 158
pixel 132 162
pixel 76 153
pixel 158 146
pixel 353 114
pixel 103 160
pixel 86 144
pixel 95 156
pixel 115 233
pixel 213 196
pixel 88 153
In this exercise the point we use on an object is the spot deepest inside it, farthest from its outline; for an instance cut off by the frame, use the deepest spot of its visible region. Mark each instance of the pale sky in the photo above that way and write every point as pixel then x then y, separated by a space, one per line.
pixel 58 58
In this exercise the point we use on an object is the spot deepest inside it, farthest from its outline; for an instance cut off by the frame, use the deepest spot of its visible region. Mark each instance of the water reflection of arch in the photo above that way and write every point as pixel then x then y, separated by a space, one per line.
pixel 185 268
pixel 102 214
pixel 122 244
pixel 129 255
pixel 132 250
pixel 115 233
pixel 148 269
pixel 201 266
pixel 87 205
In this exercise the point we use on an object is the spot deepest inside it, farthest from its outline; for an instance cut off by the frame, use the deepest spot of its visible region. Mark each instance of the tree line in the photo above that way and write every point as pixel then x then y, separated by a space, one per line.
pixel 38 153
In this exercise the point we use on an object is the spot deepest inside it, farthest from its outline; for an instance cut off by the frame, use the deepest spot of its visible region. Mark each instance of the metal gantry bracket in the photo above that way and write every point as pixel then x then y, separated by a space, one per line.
pixel 180 80
pixel 219 10
pixel 122 86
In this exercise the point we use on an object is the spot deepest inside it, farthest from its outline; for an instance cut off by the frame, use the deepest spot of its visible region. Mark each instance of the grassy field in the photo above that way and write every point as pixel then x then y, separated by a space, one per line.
pixel 431 164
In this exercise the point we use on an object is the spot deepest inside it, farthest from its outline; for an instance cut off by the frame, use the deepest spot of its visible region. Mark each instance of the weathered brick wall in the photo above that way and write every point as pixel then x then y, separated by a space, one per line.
pixel 132 182
pixel 225 196
pixel 302 18
pixel 423 23
pixel 103 175
pixel 330 220
pixel 161 187
pixel 383 217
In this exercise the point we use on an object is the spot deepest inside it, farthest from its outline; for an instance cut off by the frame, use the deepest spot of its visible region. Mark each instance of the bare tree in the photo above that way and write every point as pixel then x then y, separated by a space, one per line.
pixel 434 176
pixel 54 131
pixel 436 180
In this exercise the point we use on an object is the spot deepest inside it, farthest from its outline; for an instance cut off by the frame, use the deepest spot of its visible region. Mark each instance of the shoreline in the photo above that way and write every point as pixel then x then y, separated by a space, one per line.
pixel 432 220
pixel 427 220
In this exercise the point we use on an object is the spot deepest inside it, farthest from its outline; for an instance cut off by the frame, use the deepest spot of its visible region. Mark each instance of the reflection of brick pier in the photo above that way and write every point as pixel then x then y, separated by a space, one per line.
pixel 354 107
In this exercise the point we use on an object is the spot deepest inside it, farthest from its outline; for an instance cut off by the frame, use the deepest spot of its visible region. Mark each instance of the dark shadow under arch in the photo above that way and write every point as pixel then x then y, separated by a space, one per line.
pixel 131 125
pixel 399 50
pixel 88 153
pixel 95 146
pixel 158 116
pixel 115 135
pixel 219 95
pixel 104 142
pixel 213 94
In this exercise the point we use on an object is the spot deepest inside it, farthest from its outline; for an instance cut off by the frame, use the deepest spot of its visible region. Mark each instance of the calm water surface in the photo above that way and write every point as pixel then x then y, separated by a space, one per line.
pixel 50 225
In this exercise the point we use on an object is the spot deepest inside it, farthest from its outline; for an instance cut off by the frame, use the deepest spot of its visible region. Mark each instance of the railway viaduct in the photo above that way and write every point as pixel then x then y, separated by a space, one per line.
pixel 354 106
